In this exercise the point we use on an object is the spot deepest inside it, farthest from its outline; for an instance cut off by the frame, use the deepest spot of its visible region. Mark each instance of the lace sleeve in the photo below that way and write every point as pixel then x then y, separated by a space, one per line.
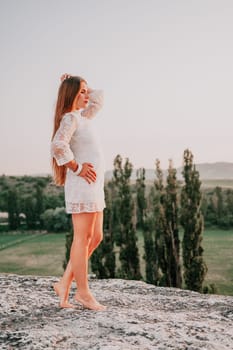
pixel 95 104
pixel 60 147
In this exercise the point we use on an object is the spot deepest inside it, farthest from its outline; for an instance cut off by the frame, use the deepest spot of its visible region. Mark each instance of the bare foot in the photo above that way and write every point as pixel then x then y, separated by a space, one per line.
pixel 62 294
pixel 89 302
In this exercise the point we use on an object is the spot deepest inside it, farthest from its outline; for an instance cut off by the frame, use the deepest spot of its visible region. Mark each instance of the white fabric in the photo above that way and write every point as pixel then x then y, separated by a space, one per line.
pixel 80 168
pixel 76 139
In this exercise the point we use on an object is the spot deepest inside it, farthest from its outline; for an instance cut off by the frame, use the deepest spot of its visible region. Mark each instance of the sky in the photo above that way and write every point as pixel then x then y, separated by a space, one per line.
pixel 166 68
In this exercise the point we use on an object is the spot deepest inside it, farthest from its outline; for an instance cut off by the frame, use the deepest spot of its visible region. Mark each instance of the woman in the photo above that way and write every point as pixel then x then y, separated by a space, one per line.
pixel 78 165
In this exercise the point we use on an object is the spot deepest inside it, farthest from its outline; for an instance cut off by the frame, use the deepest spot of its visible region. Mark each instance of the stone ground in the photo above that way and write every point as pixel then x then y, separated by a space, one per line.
pixel 139 316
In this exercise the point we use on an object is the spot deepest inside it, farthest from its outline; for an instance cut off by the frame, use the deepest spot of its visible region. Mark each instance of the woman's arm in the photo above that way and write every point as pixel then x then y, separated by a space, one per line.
pixel 60 146
pixel 95 103
pixel 60 150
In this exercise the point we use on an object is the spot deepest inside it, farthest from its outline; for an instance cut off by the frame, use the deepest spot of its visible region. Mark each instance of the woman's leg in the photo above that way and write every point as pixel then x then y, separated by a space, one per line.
pixel 62 287
pixel 97 234
pixel 83 224
pixel 84 227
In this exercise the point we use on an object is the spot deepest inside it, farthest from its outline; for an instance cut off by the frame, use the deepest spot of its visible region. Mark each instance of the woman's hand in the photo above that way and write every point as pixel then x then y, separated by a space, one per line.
pixel 88 172
pixel 65 76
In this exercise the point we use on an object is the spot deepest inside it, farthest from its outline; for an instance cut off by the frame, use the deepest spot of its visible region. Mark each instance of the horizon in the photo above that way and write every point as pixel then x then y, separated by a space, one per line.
pixel 134 169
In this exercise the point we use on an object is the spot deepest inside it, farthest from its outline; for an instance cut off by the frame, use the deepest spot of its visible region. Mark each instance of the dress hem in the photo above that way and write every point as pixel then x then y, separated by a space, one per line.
pixel 85 211
pixel 77 208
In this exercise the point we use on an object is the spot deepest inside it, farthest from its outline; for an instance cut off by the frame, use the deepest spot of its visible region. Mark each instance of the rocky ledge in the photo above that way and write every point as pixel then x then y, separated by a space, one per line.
pixel 139 316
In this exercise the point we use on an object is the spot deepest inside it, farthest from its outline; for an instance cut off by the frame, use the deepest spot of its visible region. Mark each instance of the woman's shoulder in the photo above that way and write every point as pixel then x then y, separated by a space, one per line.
pixel 71 115
pixel 70 118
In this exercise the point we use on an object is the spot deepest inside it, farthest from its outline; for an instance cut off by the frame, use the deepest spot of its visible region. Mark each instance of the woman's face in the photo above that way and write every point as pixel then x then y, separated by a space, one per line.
pixel 82 97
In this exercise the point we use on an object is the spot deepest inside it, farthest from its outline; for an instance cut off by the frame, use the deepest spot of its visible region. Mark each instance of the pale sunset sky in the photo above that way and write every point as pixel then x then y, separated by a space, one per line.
pixel 166 68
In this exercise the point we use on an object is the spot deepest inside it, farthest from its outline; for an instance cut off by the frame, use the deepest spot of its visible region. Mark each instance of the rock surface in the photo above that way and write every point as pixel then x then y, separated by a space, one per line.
pixel 139 316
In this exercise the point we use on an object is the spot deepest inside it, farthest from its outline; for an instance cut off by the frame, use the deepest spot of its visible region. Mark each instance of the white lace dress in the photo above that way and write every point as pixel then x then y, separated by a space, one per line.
pixel 77 139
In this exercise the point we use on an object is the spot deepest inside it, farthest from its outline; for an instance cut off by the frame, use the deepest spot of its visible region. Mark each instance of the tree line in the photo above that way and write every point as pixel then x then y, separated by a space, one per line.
pixel 160 216
pixel 168 214
pixel 32 203
pixel 36 203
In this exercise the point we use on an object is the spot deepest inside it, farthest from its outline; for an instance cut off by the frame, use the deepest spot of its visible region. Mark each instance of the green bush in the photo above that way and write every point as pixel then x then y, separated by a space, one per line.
pixel 56 220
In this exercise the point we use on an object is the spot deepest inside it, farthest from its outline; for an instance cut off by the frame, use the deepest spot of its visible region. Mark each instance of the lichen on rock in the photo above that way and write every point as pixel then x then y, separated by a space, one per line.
pixel 139 316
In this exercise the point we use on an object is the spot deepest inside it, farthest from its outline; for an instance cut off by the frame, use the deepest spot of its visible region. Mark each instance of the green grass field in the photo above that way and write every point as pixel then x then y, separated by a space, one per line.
pixel 218 255
pixel 35 254
pixel 43 254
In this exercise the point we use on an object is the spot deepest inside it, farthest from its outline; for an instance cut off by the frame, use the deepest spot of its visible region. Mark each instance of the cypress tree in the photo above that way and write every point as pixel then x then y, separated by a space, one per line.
pixel 150 252
pixel 13 209
pixel 126 238
pixel 172 237
pixel 167 233
pixel 151 241
pixel 161 228
pixel 192 222
pixel 145 223
pixel 141 198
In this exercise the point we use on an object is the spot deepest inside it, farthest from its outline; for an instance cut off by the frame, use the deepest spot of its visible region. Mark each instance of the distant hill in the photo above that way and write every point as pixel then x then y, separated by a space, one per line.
pixel 219 170
pixel 208 171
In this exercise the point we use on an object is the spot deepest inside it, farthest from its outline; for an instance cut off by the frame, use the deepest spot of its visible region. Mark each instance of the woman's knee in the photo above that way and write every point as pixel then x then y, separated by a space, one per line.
pixel 97 237
pixel 84 238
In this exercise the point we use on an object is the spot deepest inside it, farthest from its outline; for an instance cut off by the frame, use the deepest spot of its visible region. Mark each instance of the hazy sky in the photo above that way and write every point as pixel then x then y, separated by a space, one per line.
pixel 166 68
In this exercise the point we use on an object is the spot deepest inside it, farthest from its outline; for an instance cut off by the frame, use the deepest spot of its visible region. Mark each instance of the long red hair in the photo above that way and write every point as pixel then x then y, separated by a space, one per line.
pixel 67 92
